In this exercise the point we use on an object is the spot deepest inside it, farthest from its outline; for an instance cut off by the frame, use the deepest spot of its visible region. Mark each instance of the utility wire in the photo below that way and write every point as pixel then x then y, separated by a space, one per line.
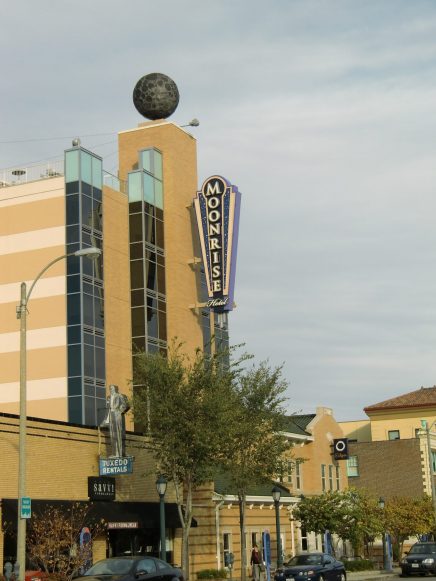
pixel 26 140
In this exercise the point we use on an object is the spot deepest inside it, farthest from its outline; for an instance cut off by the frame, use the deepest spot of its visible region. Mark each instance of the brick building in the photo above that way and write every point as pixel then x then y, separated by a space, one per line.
pixel 389 452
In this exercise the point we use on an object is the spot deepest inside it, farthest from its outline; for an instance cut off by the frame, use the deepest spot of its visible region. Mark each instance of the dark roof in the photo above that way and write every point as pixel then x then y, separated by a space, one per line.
pixel 420 398
pixel 298 424
pixel 223 485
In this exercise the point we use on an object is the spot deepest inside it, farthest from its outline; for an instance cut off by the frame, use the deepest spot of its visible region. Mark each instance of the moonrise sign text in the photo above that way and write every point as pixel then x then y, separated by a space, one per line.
pixel 217 207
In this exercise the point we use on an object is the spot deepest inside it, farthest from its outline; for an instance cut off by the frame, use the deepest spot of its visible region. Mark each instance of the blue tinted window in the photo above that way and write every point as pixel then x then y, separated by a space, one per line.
pixel 74 386
pixel 75 410
pixel 73 310
pixel 74 360
pixel 135 186
pixel 86 167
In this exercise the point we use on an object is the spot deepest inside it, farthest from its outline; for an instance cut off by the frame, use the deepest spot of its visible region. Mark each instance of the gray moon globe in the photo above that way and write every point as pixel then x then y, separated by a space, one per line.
pixel 156 96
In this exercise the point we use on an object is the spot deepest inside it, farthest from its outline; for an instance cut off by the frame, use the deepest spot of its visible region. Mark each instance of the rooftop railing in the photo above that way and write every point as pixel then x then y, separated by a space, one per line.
pixel 21 175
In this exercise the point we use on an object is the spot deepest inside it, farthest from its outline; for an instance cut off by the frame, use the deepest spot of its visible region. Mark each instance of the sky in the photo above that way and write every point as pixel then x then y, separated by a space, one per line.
pixel 322 112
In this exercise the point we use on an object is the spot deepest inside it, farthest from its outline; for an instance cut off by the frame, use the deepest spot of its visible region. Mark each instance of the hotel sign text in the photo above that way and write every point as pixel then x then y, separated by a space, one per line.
pixel 217 208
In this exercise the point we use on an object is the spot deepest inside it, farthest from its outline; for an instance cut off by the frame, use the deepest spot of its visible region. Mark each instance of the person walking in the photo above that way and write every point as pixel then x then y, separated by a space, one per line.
pixel 255 562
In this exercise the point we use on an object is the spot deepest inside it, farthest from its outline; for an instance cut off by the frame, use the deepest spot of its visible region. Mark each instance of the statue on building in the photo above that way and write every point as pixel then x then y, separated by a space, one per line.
pixel 117 405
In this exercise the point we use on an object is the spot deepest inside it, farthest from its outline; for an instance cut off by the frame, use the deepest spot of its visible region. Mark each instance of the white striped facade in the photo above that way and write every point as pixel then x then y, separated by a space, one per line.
pixel 32 233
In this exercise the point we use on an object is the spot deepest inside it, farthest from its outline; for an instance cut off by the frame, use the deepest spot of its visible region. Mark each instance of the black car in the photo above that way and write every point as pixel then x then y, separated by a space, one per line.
pixel 132 569
pixel 312 566
pixel 420 559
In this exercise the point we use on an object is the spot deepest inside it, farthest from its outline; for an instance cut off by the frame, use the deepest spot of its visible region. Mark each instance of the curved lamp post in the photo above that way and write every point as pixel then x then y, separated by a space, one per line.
pixel 22 315
pixel 161 487
pixel 276 492
pixel 386 559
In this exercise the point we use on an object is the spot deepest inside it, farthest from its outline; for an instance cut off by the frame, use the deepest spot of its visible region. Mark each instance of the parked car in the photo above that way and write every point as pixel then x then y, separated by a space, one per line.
pixel 420 559
pixel 312 566
pixel 132 569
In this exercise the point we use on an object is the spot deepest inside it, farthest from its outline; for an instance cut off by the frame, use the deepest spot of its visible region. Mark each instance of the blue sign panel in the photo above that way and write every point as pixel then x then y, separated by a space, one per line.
pixel 266 541
pixel 25 507
pixel 113 466
pixel 217 208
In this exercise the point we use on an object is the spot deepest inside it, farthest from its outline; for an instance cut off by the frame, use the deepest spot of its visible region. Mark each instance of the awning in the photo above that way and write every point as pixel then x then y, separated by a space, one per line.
pixel 145 513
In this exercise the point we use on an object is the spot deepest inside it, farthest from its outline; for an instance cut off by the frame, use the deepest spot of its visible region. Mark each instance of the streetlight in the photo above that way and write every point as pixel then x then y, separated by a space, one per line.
pixel 276 492
pixel 22 315
pixel 161 487
pixel 387 566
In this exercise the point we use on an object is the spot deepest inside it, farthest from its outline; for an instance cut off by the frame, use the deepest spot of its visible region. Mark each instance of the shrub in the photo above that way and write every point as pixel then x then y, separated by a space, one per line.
pixel 359 565
pixel 212 574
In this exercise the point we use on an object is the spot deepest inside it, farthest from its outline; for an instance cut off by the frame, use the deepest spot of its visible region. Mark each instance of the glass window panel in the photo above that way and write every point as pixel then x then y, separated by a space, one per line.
pixel 151 302
pixel 100 367
pixel 160 259
pixel 162 326
pixel 74 334
pixel 101 392
pixel 97 194
pixel 149 228
pixel 90 413
pixel 138 344
pixel 99 341
pixel 88 288
pixel 135 207
pixel 135 221
pixel 72 188
pixel 73 283
pixel 74 360
pixel 75 410
pixel 161 279
pixel 87 211
pixel 135 186
pixel 88 354
pixel 158 194
pixel 157 169
pixel 148 189
pixel 97 173
pixel 137 298
pixel 88 339
pixel 98 313
pixel 150 275
pixel 87 266
pixel 159 234
pixel 89 389
pixel 86 189
pixel 137 274
pixel 85 167
pixel 161 305
pixel 152 348
pixel 88 310
pixel 149 209
pixel 73 311
pixel 97 215
pixel 136 250
pixel 72 166
pixel 159 213
pixel 100 405
pixel 152 323
pixel 138 323
pixel 72 209
pixel 149 254
pixel 73 234
pixel 74 386
pixel 146 159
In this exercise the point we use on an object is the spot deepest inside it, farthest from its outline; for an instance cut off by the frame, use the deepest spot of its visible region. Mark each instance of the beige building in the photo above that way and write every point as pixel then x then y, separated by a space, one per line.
pixel 390 453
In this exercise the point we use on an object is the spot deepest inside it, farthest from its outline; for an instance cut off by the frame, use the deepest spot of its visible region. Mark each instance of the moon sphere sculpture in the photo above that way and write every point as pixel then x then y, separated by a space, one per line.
pixel 156 96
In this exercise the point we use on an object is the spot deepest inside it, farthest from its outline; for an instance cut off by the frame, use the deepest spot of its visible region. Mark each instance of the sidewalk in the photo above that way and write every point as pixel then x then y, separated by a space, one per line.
pixel 378 575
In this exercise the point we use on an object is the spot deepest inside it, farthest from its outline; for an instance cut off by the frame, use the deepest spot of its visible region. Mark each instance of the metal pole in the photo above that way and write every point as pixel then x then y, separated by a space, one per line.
pixel 21 524
pixel 279 544
pixel 163 552
pixel 430 467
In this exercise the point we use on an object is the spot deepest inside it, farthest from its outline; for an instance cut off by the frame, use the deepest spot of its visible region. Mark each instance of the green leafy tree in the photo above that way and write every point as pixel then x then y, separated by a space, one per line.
pixel 257 443
pixel 186 406
pixel 406 517
pixel 350 514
